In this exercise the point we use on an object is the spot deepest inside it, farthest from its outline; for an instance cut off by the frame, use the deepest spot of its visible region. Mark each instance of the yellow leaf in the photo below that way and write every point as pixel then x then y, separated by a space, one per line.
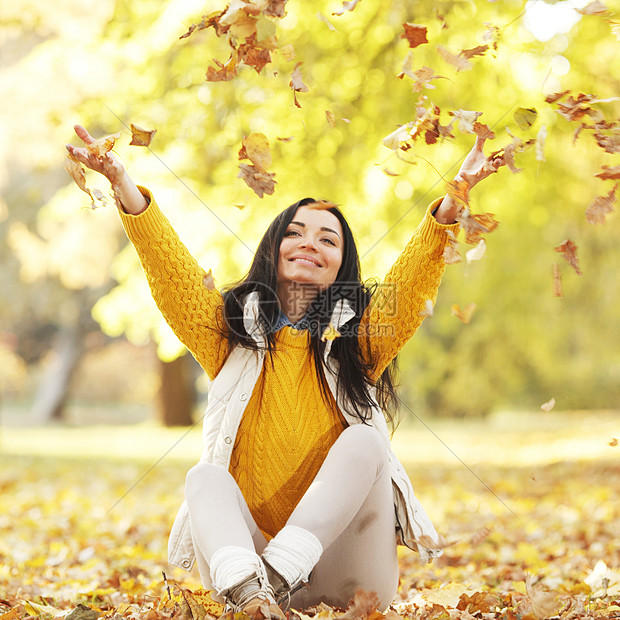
pixel 525 117
pixel 330 333
pixel 465 314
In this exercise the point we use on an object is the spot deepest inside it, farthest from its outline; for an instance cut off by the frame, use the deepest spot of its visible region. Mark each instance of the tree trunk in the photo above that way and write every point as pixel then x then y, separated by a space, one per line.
pixel 53 391
pixel 177 392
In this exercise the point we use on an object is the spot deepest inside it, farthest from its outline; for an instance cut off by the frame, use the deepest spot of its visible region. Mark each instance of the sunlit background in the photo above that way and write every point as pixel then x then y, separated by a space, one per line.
pixel 80 339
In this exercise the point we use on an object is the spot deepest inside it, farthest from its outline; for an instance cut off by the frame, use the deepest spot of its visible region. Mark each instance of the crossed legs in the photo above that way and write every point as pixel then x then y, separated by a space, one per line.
pixel 348 508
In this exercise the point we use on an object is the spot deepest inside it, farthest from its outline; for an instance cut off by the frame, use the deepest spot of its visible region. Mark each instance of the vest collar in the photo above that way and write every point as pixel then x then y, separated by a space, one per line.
pixel 342 313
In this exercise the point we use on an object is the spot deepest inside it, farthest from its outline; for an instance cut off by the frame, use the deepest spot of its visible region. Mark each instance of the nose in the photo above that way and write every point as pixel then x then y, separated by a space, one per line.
pixel 308 242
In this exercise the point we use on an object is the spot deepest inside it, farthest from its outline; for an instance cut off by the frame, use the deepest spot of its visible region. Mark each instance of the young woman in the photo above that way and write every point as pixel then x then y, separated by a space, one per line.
pixel 298 497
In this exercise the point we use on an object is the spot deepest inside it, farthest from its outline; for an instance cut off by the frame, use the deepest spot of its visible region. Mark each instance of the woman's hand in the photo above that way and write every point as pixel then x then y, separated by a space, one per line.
pixel 475 168
pixel 128 196
pixel 108 165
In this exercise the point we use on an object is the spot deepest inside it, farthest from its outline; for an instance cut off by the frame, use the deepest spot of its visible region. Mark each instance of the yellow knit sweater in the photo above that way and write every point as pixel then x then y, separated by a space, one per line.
pixel 288 427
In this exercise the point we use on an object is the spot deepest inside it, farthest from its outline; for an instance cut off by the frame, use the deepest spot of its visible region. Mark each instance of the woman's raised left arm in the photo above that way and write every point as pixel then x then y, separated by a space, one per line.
pixel 400 303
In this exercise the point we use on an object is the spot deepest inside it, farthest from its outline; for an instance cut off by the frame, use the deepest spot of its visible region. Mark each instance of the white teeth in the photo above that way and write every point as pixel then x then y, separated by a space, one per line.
pixel 305 260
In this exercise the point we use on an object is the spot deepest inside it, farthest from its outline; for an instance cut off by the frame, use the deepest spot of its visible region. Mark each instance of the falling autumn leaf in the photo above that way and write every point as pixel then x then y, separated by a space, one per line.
pixel 140 136
pixel 525 117
pixel 568 250
pixel 297 84
pixel 322 204
pixel 428 308
pixel 465 314
pixel 260 182
pixel 347 5
pixel 483 131
pixel 466 119
pixel 548 406
pixel 459 62
pixel 77 172
pixel 613 443
pixel 222 73
pixel 326 21
pixel 609 172
pixel 597 212
pixel 541 138
pixel 209 281
pixel 459 192
pixel 414 34
pixel 479 50
pixel 255 147
pixel 594 8
pixel 331 119
pixel 451 254
pixel 422 78
pixel 476 253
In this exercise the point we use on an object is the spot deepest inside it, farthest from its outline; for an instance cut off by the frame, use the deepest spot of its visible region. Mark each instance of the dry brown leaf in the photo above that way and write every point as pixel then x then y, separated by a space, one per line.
pixel 556 96
pixel 481 535
pixel 466 119
pixel 478 602
pixel 255 147
pixel 297 84
pixel 609 172
pixel 209 281
pixel 322 204
pixel 140 136
pixel 548 406
pixel 260 182
pixel 568 250
pixel 459 192
pixel 544 604
pixel 614 442
pixel 465 314
pixel 77 172
pixel 223 73
pixel 253 55
pixel 362 607
pixel 422 78
pixel 597 212
pixel 594 8
pixel 331 119
pixel 104 145
pixel 414 34
pixel 557 280
pixel 451 254
pixel 326 21
pixel 479 50
pixel 483 131
pixel 347 5
pixel 459 62
pixel 476 225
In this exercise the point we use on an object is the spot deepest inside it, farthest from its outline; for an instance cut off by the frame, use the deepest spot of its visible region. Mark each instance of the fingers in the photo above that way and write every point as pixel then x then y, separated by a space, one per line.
pixel 83 134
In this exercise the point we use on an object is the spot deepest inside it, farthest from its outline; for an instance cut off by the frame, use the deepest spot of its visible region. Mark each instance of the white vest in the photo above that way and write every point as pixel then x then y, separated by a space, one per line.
pixel 229 394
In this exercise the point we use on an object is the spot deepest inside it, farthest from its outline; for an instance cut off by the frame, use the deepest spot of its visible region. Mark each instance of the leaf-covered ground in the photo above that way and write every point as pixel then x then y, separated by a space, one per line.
pixel 529 537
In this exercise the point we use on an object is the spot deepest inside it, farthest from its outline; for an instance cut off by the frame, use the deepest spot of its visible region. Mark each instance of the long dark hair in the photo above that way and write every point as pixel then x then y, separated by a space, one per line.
pixel 353 376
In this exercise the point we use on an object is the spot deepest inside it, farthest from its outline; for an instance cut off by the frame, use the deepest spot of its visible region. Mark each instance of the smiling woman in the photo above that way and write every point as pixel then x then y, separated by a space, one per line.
pixel 298 484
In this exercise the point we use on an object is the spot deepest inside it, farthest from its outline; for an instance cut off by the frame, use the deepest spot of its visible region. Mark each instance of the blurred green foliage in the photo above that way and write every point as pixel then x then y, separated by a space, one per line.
pixel 123 62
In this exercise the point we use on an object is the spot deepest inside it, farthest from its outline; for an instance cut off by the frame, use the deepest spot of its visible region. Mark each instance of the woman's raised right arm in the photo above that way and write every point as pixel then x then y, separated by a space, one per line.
pixel 190 305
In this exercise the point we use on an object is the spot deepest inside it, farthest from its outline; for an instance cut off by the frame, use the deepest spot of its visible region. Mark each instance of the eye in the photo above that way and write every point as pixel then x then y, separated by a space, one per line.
pixel 290 233
pixel 330 241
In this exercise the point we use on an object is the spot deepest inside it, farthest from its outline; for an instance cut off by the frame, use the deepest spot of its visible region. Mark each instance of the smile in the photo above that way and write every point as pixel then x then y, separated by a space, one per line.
pixel 307 261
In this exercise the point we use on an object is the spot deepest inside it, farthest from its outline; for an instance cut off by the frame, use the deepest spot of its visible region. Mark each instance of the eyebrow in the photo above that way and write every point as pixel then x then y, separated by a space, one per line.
pixel 325 228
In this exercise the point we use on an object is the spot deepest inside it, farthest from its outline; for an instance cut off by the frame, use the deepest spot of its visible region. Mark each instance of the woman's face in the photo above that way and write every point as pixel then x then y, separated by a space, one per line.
pixel 311 249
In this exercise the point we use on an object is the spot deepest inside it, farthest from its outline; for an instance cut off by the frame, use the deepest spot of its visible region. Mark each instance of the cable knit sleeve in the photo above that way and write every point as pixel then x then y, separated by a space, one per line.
pixel 397 308
pixel 176 282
